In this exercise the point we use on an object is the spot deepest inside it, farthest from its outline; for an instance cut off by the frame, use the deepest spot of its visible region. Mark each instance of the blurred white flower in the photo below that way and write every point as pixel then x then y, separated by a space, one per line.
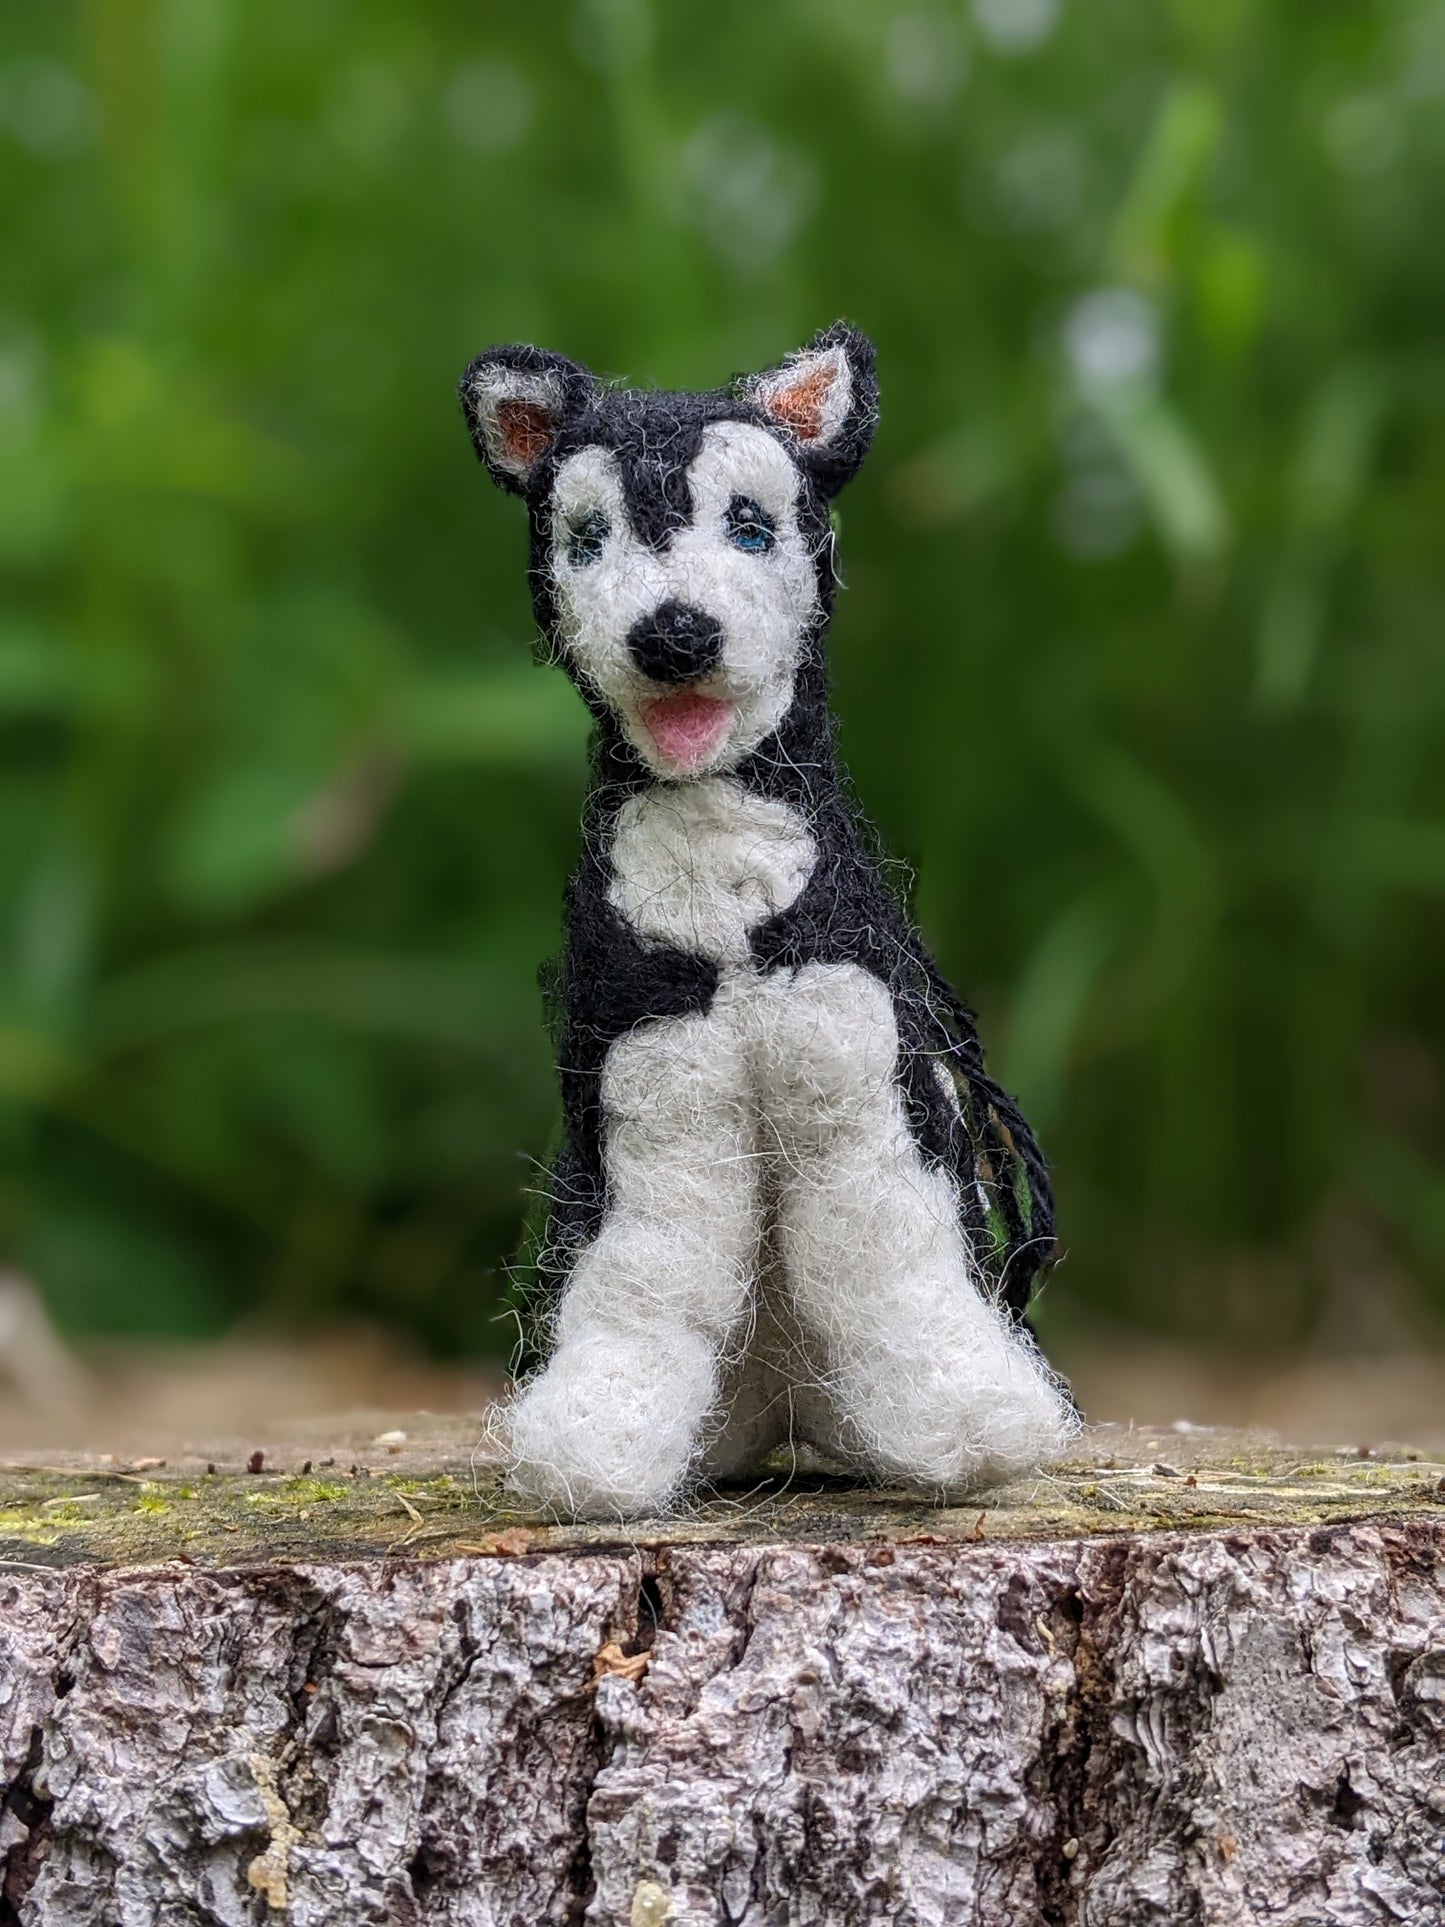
pixel 1111 337
pixel 924 56
pixel 489 106
pixel 1040 181
pixel 748 194
pixel 22 369
pixel 1418 53
pixel 1363 134
pixel 1016 26
pixel 46 108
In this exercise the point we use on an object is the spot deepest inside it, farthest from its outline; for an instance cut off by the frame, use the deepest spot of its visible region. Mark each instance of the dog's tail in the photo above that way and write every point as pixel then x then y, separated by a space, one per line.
pixel 1009 1204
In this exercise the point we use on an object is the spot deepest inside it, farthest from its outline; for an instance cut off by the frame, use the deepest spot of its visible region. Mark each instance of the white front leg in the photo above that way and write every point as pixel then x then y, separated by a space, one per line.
pixel 930 1380
pixel 613 1424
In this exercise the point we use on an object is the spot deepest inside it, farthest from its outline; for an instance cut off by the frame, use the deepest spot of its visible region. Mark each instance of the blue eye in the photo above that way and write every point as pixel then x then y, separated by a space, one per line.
pixel 749 526
pixel 586 538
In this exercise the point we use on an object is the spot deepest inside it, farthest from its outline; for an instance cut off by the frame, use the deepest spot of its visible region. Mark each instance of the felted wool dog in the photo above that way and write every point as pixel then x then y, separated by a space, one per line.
pixel 789 1203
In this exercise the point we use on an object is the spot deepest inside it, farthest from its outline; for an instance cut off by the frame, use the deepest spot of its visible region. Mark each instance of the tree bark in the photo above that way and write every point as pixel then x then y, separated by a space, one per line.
pixel 1116 1697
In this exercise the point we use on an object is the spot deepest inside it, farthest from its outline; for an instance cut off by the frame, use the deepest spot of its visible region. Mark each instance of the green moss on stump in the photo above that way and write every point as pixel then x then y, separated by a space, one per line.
pixel 429 1499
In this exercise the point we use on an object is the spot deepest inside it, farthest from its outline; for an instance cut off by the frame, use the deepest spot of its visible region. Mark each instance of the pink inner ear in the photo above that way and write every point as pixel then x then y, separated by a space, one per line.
pixel 526 429
pixel 799 404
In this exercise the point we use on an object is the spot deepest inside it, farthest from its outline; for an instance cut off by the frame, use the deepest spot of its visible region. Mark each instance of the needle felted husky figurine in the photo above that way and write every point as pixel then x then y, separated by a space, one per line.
pixel 789 1202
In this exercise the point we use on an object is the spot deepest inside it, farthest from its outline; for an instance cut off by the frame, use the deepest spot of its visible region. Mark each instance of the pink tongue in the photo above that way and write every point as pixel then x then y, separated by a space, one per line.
pixel 687 728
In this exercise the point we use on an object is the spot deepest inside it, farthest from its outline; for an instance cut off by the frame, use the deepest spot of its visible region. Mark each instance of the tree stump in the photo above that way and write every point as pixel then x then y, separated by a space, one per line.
pixel 1187 1678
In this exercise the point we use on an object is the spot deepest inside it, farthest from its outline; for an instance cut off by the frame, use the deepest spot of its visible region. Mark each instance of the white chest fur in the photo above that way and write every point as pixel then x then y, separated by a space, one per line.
pixel 698 865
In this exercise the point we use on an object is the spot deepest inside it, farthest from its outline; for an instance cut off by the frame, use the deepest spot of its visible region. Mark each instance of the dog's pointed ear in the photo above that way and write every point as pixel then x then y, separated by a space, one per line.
pixel 517 401
pixel 824 402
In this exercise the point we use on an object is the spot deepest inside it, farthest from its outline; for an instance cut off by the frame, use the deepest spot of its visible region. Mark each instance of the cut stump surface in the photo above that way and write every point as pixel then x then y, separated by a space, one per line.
pixel 1186 1678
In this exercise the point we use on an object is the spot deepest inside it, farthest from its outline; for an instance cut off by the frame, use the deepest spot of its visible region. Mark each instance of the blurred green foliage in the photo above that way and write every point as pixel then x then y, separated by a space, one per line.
pixel 1141 666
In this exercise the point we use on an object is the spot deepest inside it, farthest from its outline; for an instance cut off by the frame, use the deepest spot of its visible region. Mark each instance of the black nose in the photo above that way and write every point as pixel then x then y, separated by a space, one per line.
pixel 676 643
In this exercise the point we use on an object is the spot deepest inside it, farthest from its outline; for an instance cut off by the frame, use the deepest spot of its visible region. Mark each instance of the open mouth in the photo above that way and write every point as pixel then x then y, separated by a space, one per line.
pixel 687 727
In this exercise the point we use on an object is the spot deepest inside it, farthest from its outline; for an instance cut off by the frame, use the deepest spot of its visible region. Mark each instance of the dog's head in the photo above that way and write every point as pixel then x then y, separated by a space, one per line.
pixel 681 548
